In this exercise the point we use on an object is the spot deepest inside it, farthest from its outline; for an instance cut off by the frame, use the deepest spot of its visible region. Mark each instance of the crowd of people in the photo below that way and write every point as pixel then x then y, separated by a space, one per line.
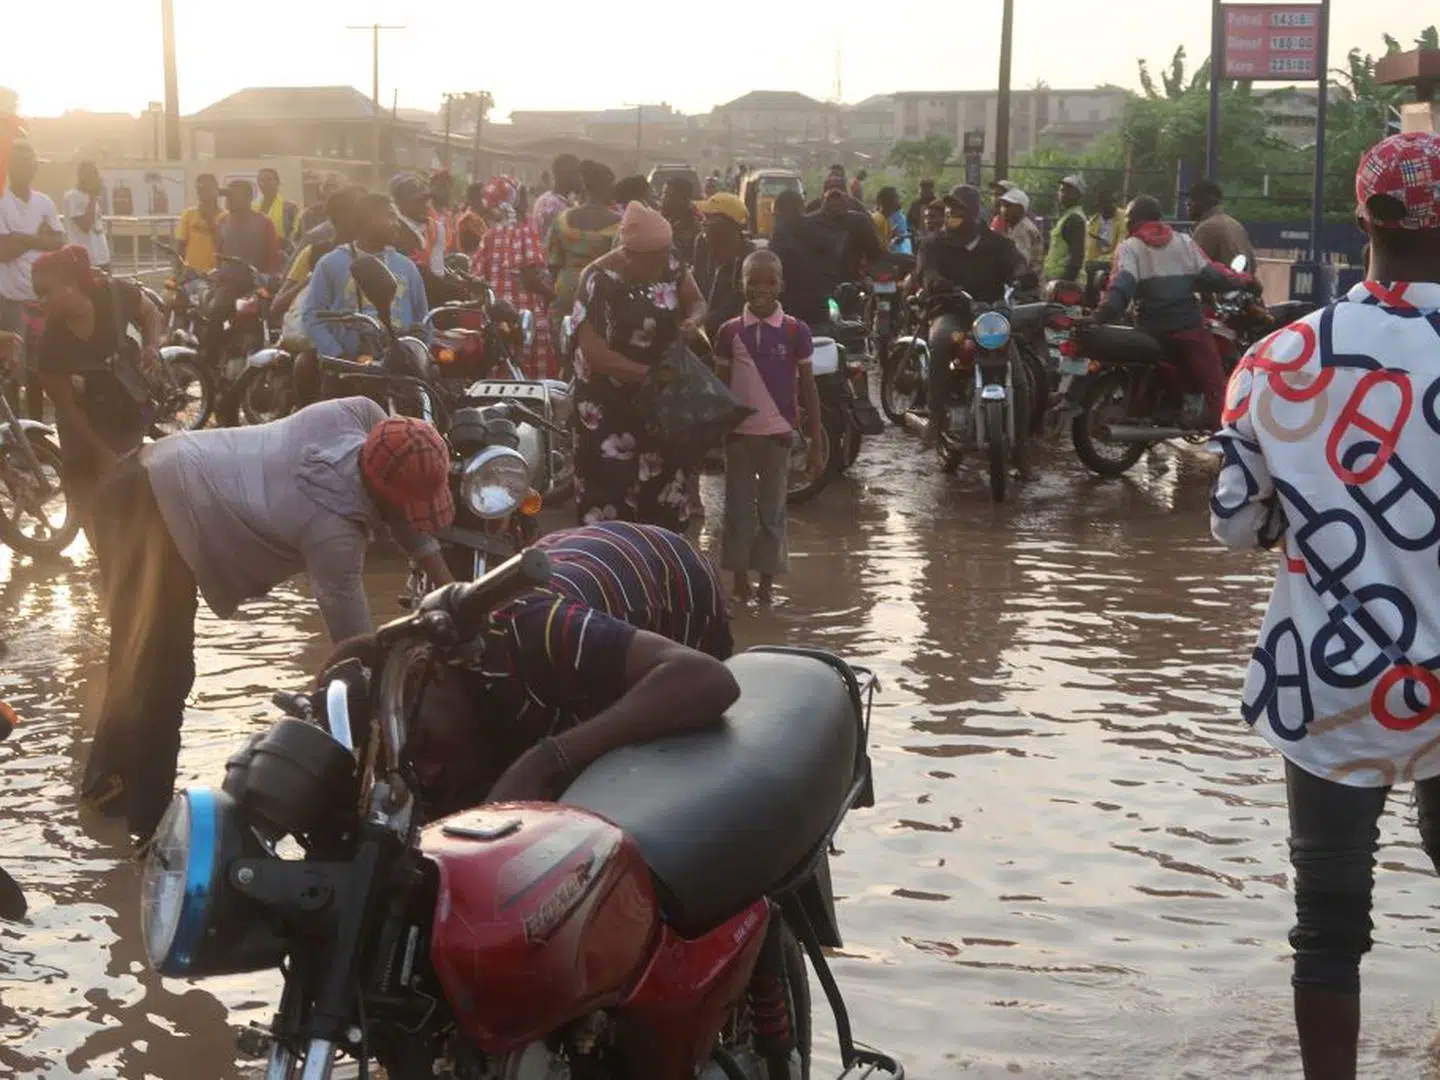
pixel 625 645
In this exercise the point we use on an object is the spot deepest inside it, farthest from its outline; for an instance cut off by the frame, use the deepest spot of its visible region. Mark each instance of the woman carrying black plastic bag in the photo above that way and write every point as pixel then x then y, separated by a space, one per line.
pixel 632 306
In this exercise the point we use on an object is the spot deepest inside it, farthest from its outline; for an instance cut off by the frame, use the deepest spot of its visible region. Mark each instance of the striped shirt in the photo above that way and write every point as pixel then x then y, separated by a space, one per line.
pixel 556 657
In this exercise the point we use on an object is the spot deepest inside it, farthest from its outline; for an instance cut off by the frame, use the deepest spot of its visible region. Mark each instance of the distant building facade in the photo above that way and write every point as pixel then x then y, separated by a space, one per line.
pixel 1069 118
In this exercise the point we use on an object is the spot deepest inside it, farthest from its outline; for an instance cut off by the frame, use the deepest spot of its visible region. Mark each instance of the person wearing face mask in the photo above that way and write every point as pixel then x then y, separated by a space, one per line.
pixel 965 256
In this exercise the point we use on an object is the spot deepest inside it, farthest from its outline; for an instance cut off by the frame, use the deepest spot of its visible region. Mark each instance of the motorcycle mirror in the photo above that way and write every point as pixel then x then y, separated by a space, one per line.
pixel 375 282
pixel 457 263
pixel 1240 264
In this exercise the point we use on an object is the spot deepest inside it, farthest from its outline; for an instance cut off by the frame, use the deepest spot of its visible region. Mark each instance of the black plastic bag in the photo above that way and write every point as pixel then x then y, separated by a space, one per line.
pixel 686 403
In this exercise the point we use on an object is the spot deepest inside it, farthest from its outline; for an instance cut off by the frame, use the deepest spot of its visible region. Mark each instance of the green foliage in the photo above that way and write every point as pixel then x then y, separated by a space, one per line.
pixel 1165 126
pixel 920 158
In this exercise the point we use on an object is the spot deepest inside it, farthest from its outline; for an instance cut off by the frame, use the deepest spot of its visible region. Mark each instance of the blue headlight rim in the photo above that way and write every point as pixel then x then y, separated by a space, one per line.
pixel 994 338
pixel 199 880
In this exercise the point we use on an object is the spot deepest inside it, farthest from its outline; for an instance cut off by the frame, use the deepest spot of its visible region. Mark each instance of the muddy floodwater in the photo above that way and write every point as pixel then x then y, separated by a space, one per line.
pixel 1076 865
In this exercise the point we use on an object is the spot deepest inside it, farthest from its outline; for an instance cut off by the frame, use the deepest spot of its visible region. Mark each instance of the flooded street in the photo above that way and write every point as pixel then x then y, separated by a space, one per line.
pixel 1076 865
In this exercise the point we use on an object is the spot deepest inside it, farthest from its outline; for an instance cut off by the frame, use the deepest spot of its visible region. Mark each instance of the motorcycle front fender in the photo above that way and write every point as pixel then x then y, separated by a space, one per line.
pixel 265 358
pixel 30 427
pixel 171 353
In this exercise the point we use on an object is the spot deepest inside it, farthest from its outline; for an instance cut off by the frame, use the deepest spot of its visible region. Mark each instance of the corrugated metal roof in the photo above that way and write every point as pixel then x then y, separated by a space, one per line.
pixel 280 104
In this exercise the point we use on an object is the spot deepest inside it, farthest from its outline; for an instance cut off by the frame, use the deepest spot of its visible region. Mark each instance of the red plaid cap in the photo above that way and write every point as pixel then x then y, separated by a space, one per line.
pixel 1406 168
pixel 407 464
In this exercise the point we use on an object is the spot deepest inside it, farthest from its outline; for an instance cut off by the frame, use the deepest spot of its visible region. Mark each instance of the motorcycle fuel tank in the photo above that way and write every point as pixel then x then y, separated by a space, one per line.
pixel 544 913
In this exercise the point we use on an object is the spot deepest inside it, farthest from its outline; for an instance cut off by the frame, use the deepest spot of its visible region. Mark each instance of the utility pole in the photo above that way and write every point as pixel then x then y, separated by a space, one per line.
pixel 483 101
pixel 377 116
pixel 448 98
pixel 1002 96
pixel 1217 72
pixel 639 130
pixel 172 84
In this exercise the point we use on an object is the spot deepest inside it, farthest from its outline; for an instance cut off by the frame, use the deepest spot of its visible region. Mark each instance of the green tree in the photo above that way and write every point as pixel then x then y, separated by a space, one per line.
pixel 920 158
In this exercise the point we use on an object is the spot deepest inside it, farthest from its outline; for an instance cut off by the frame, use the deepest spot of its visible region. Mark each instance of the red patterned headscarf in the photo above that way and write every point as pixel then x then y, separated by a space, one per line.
pixel 70 264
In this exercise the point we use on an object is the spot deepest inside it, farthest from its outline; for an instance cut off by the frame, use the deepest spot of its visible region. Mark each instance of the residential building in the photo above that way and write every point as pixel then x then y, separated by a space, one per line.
pixel 777 116
pixel 305 121
pixel 1069 118
pixel 1290 111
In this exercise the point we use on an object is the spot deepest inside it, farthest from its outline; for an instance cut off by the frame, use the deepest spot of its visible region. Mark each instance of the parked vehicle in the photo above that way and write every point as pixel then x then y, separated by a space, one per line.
pixel 36 515
pixel 185 296
pixel 885 312
pixel 847 415
pixel 661 175
pixel 233 326
pixel 759 189
pixel 525 940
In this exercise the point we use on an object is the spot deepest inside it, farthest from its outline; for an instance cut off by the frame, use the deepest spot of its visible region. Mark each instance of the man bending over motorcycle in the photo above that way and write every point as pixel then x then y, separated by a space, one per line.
pixel 624 645
pixel 969 257
pixel 1160 270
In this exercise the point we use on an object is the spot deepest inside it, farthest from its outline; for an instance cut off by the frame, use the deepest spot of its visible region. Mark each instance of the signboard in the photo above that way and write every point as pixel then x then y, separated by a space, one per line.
pixel 1272 42
pixel 141 192
pixel 973 147
pixel 974 142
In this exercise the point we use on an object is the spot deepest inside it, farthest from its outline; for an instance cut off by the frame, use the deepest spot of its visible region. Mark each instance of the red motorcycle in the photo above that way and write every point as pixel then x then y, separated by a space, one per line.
pixel 652 925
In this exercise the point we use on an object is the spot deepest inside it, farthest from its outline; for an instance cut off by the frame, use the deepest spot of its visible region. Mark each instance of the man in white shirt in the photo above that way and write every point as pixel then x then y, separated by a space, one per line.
pixel 84 223
pixel 29 225
pixel 1329 457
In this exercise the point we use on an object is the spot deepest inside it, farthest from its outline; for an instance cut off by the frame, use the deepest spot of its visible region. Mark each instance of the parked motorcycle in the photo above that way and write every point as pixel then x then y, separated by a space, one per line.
pixel 36 515
pixel 233 326
pixel 652 925
pixel 185 296
pixel 846 415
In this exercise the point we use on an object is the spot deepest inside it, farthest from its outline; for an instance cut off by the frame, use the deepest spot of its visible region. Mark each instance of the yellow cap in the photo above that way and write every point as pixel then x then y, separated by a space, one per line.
pixel 726 205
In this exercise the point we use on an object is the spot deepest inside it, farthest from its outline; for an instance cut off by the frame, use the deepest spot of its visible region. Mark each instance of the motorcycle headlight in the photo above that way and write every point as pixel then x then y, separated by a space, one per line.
pixel 495 482
pixel 192 922
pixel 527 328
pixel 991 331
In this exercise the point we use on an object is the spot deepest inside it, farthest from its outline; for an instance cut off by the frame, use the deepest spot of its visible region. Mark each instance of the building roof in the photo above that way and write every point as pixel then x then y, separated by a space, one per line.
pixel 774 100
pixel 873 103
pixel 289 104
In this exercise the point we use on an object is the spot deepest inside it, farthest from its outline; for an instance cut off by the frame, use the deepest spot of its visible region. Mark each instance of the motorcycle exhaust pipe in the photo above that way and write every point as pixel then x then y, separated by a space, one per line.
pixel 915 423
pixel 1144 433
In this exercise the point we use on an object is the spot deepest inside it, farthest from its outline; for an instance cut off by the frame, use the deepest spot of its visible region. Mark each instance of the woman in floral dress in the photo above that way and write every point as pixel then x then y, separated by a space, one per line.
pixel 632 306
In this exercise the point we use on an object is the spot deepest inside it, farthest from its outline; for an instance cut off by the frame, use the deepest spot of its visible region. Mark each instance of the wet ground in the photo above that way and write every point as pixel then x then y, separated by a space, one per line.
pixel 1075 867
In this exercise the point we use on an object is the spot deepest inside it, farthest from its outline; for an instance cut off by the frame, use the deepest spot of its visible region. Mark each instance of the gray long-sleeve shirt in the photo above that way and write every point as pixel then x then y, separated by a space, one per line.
pixel 254 506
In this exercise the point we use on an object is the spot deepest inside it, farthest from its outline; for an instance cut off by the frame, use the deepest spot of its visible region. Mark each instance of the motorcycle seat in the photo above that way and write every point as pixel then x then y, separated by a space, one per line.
pixel 1119 344
pixel 724 816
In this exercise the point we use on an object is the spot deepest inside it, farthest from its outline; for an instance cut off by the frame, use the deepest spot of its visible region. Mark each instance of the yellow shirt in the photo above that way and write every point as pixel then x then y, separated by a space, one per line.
pixel 199 238
pixel 303 264
pixel 882 227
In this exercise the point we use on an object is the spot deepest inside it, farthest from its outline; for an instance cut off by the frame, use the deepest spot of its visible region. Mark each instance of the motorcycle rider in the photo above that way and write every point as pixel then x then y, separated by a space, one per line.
pixel 1067 238
pixel 624 645
pixel 331 288
pixel 420 235
pixel 969 257
pixel 1160 270
pixel 890 222
pixel 1218 234
pixel 847 235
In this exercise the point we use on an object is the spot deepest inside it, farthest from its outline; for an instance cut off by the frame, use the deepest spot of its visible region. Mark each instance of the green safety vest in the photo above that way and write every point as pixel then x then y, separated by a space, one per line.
pixel 1058 260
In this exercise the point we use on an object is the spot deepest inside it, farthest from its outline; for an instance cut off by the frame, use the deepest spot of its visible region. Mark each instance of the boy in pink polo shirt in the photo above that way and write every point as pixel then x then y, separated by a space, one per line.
pixel 765 357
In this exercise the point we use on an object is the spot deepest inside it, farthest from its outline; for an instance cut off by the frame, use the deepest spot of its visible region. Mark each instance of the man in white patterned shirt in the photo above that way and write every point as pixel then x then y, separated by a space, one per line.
pixel 1331 452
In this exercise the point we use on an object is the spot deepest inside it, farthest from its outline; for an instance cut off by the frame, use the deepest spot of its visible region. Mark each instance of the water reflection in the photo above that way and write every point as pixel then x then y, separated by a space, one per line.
pixel 1075 867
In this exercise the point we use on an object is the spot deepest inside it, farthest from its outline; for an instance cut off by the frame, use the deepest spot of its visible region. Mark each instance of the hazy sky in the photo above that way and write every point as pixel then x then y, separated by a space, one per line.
pixel 105 54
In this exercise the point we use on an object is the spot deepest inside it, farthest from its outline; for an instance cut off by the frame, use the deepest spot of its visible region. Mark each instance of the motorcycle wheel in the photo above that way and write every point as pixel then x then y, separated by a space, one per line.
pixel 804 486
pixel 265 394
pixel 189 401
pixel 852 446
pixel 997 446
pixel 41 531
pixel 1106 398
pixel 899 383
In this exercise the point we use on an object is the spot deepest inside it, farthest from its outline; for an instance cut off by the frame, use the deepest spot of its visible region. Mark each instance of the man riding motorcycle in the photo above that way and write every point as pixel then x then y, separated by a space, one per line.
pixel 624 645
pixel 968 256
pixel 1160 270
pixel 331 288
